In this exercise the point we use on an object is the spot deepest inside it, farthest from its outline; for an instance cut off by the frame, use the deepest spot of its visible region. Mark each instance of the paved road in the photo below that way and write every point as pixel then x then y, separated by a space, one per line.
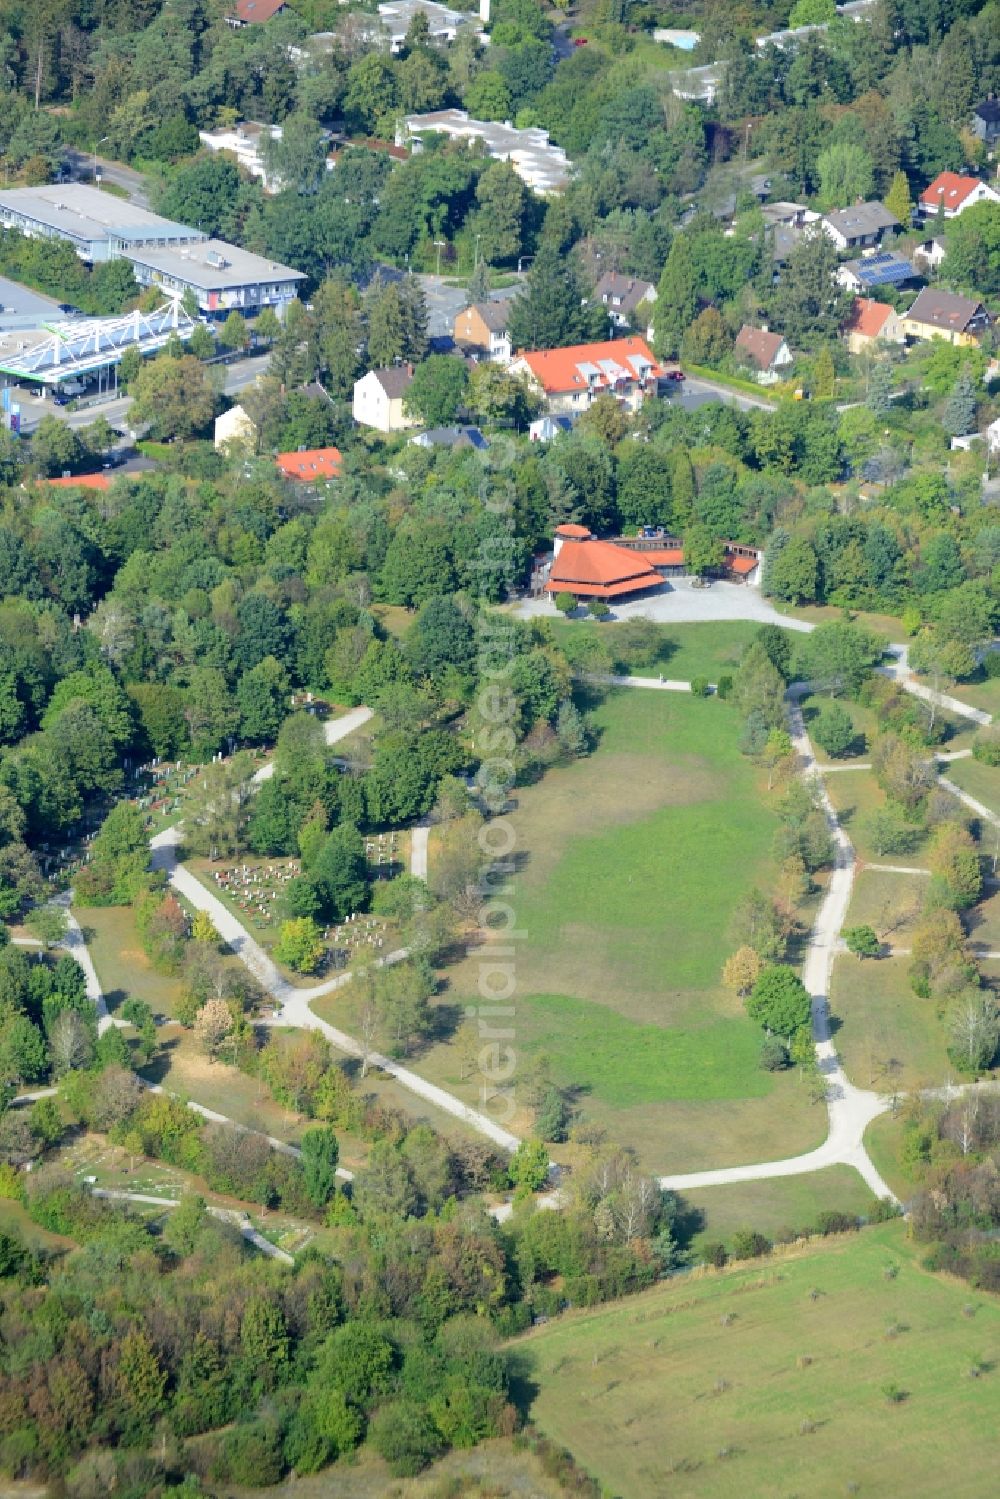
pixel 900 671
pixel 232 1216
pixel 697 391
pixel 418 851
pixel 445 302
pixel 236 378
pixel 81 165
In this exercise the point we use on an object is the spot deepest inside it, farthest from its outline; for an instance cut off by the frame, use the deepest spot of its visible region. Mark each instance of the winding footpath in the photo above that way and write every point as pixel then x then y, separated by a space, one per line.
pixel 850 1109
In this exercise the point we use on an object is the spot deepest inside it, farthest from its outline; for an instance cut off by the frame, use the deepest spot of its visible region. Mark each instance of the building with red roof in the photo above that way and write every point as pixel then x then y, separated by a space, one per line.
pixel 954 193
pixel 310 463
pixel 81 481
pixel 600 570
pixel 254 12
pixel 870 322
pixel 571 379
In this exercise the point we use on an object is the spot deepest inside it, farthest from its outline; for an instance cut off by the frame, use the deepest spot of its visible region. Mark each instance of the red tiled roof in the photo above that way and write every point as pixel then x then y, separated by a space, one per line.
pixel 868 317
pixel 82 481
pixel 314 463
pixel 569 530
pixel 600 569
pixel 949 188
pixel 741 564
pixel 559 370
pixel 665 557
pixel 249 11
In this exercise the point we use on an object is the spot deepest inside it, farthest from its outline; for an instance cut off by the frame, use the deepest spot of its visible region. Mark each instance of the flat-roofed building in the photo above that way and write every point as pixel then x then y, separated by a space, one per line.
pixel 223 278
pixel 543 167
pixel 98 225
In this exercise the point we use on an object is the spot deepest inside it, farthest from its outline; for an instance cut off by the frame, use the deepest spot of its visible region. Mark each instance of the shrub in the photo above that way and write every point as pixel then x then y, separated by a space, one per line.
pixel 714 1254
pixel 724 686
pixel 832 1222
pixel 773 1054
pixel 748 1244
pixel 700 686
pixel 986 747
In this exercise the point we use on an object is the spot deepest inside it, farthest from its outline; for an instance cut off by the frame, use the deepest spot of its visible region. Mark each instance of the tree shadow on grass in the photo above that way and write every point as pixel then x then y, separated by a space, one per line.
pixel 158 1067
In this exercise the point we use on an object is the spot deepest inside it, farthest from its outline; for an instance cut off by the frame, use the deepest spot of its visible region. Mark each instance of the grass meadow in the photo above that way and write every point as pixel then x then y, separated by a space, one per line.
pixel 630 864
pixel 773 1206
pixel 684 651
pixel 771 1379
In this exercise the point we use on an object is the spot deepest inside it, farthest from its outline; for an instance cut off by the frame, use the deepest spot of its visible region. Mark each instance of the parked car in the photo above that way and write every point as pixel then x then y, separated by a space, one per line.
pixel 675 375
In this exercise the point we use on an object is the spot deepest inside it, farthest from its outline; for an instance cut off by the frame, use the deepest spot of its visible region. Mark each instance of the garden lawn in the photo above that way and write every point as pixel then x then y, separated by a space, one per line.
pixel 633 861
pixel 782 1203
pixel 855 795
pixel 887 1037
pixel 685 651
pixel 884 1142
pixel 771 1379
pixel 984 694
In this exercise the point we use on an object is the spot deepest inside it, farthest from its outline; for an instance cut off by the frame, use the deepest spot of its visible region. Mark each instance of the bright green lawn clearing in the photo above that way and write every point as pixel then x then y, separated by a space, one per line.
pixel 884 1141
pixel 634 860
pixel 685 651
pixel 785 1202
pixel 748 1384
pixel 855 795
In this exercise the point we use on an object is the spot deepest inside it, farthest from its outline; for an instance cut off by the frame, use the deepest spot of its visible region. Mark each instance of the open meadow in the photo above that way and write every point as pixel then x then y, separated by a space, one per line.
pixel 841 1366
pixel 630 864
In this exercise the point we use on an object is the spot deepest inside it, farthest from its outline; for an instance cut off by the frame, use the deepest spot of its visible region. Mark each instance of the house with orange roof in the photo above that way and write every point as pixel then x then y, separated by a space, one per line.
pixel 570 380
pixel 310 464
pixel 952 194
pixel 872 322
pixel 100 482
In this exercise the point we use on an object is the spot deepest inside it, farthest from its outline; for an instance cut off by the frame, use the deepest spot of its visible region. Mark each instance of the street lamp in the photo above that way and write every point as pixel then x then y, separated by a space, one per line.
pixel 439 245
pixel 103 138
pixel 475 265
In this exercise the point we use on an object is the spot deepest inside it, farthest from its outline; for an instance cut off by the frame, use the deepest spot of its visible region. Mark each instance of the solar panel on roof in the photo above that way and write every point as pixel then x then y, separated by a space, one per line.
pixel 884 270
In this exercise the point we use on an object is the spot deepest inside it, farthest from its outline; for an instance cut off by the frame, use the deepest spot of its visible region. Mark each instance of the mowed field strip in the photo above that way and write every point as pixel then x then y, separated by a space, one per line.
pixel 771 1379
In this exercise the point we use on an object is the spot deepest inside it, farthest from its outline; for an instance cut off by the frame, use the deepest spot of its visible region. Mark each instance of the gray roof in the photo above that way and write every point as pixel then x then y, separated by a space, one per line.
pixel 394 379
pixel 451 437
pixel 212 265
pixel 861 219
pixel 495 315
pixel 944 310
pixel 989 110
pixel 20 307
pixel 86 213
pixel 626 292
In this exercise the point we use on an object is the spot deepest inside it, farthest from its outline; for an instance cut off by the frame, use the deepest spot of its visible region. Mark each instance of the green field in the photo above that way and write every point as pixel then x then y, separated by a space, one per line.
pixel 684 651
pixel 890 903
pixel 782 1203
pixel 632 862
pixel 771 1379
pixel 123 968
pixel 886 1036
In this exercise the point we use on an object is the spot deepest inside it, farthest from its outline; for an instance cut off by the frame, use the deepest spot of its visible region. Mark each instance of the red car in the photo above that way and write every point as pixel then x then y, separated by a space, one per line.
pixel 579 41
pixel 674 375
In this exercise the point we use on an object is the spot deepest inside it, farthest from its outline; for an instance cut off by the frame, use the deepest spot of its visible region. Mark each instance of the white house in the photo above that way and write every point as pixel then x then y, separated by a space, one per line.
pixel 378 399
pixel 235 428
pixel 767 353
pixel 859 226
pixel 951 194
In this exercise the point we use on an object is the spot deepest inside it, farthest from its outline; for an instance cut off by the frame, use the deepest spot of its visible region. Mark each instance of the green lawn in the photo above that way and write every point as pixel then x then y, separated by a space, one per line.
pixel 982 782
pixel 770 1380
pixel 890 903
pixel 886 1036
pixel 856 795
pixel 123 968
pixel 865 724
pixel 633 861
pixel 685 651
pixel 884 1141
pixel 788 1202
pixel 984 694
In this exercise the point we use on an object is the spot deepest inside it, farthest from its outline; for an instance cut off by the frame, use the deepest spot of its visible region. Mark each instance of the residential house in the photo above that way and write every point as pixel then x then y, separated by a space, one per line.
pixel 872 322
pixel 952 194
pixel 482 329
pixel 443 24
pixel 254 12
pixel 929 254
pixel 571 379
pixel 451 437
pixel 767 353
pixel 545 428
pixel 881 269
pixel 310 464
pixel 986 121
pixel 942 314
pixel 624 296
pixel 860 225
pixel 235 428
pixel 378 399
